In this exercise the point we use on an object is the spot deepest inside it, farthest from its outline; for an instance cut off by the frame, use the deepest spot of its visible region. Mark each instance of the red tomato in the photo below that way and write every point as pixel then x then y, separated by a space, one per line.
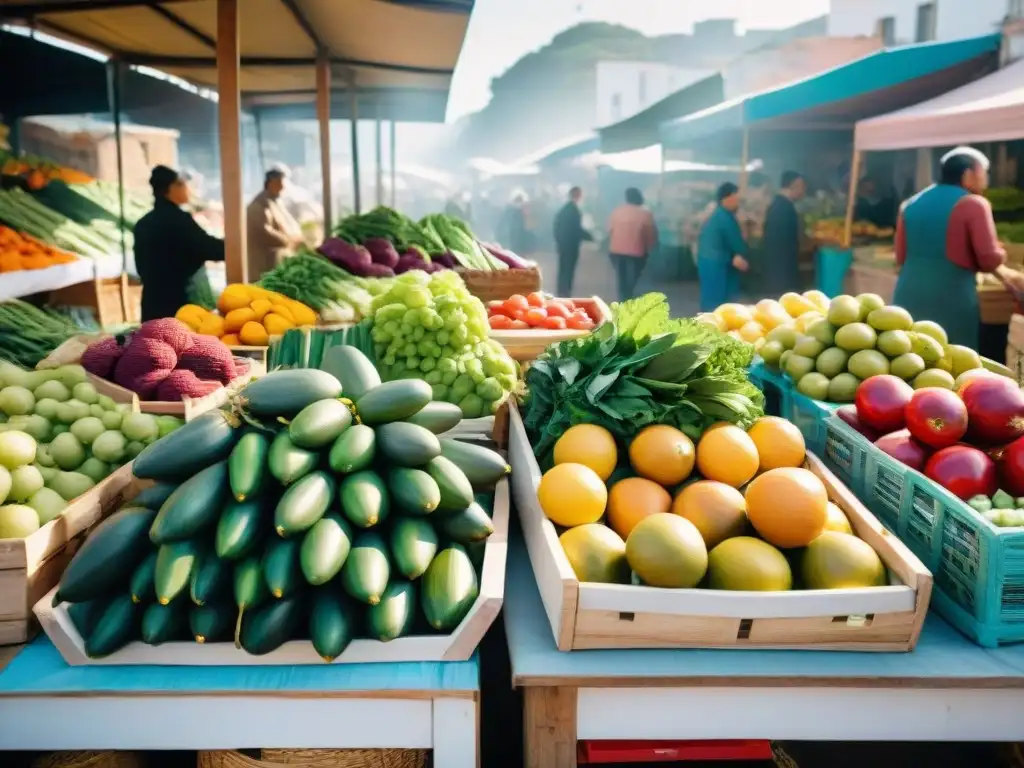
pixel 904 448
pixel 555 323
pixel 963 471
pixel 569 303
pixel 936 417
pixel 516 303
pixel 519 314
pixel 500 322
pixel 536 316
pixel 519 325
pixel 995 410
pixel 536 299
pixel 557 309
pixel 579 323
pixel 496 308
pixel 880 402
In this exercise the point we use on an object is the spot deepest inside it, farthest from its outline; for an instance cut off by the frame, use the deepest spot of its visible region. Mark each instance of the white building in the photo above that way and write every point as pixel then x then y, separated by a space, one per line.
pixel 909 21
pixel 627 87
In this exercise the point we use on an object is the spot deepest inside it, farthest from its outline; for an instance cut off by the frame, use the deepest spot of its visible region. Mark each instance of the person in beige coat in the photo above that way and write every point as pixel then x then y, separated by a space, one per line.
pixel 272 232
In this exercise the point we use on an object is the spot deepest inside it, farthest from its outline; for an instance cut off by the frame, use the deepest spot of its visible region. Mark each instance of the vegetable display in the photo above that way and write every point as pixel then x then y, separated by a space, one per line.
pixel 59 438
pixel 641 368
pixel 299 513
pixel 163 360
pixel 538 310
pixel 249 316
pixel 18 252
pixel 20 210
pixel 39 171
pixel 338 296
pixel 29 334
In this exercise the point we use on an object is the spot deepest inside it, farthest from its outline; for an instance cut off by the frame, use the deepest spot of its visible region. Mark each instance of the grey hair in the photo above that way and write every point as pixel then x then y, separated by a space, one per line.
pixel 976 155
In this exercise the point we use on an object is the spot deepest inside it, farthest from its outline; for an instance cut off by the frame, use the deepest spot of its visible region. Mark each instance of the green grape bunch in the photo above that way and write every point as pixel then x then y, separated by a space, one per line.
pixel 431 327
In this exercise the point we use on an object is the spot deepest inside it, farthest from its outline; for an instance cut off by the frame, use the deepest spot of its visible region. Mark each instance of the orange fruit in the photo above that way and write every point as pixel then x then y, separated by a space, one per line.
pixel 571 495
pixel 718 510
pixel 663 454
pixel 589 445
pixel 633 499
pixel 237 318
pixel 779 443
pixel 728 455
pixel 734 316
pixel 788 507
pixel 230 340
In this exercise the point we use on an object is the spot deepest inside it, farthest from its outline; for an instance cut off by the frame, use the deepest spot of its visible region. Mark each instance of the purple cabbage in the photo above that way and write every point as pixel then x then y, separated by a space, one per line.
pixel 445 259
pixel 381 251
pixel 411 260
pixel 352 258
pixel 506 256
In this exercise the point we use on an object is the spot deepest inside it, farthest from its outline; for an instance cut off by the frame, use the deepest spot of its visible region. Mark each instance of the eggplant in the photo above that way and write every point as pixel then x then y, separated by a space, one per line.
pixel 381 251
pixel 352 258
pixel 506 256
pixel 377 270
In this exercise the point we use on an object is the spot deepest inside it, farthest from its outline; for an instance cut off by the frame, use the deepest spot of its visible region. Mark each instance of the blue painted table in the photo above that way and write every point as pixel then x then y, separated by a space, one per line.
pixel 47 705
pixel 946 690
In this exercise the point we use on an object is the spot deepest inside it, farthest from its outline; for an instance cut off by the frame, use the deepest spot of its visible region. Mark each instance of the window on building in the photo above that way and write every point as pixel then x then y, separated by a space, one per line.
pixel 925 23
pixel 642 90
pixel 616 106
pixel 885 28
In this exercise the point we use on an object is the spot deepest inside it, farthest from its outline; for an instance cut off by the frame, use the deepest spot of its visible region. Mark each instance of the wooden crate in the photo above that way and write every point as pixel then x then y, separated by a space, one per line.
pixel 116 300
pixel 996 304
pixel 526 345
pixel 458 646
pixel 31 567
pixel 587 616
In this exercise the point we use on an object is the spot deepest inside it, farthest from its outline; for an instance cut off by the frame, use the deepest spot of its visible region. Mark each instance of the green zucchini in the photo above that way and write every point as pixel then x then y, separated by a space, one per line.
pixel 271 625
pixel 114 629
pixel 364 499
pixel 141 585
pixel 456 490
pixel 287 462
pixel 240 528
pixel 413 490
pixel 210 579
pixel 211 623
pixel 85 615
pixel 161 623
pixel 356 372
pixel 319 424
pixel 354 450
pixel 108 557
pixel 413 543
pixel 467 525
pixel 393 401
pixel 393 616
pixel 482 466
pixel 247 466
pixel 303 504
pixel 250 590
pixel 366 571
pixel 174 563
pixel 194 506
pixel 407 445
pixel 449 588
pixel 154 496
pixel 281 570
pixel 285 393
pixel 331 619
pixel 201 442
pixel 437 416
pixel 325 548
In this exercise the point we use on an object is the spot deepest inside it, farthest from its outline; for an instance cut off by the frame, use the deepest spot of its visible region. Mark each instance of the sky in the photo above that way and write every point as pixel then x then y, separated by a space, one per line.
pixel 501 31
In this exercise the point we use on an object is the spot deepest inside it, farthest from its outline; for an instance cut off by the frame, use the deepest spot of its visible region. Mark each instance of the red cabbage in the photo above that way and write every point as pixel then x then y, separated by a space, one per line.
pixel 381 251
pixel 352 258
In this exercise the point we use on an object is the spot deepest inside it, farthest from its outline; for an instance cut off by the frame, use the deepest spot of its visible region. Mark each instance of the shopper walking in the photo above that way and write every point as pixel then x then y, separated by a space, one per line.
pixel 632 237
pixel 783 233
pixel 721 251
pixel 569 235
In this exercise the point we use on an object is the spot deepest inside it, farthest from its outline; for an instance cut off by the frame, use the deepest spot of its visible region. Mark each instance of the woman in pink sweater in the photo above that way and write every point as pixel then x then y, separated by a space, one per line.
pixel 632 237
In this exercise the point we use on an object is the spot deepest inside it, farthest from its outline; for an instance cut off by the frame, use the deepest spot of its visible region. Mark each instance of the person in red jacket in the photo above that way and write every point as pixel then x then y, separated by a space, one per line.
pixel 945 235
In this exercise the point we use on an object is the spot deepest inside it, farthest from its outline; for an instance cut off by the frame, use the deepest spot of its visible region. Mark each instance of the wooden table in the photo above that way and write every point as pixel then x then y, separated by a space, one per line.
pixel 946 690
pixel 47 705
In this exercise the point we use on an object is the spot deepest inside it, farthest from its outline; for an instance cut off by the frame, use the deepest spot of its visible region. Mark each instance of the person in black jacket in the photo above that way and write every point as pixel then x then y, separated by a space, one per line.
pixel 783 229
pixel 569 234
pixel 170 246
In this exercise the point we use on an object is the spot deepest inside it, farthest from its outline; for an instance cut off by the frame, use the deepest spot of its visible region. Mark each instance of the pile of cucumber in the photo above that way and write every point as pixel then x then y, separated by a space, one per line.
pixel 308 508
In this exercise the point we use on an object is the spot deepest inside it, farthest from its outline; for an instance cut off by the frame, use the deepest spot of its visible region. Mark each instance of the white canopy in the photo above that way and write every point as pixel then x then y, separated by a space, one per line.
pixel 990 109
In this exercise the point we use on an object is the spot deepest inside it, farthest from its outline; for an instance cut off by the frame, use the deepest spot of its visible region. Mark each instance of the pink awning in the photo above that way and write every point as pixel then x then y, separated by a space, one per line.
pixel 989 109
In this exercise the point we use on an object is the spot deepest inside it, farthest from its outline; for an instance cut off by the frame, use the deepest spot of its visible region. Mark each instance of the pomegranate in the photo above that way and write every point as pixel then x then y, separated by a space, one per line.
pixel 995 410
pixel 904 448
pixel 1011 468
pixel 848 413
pixel 936 417
pixel 880 402
pixel 963 471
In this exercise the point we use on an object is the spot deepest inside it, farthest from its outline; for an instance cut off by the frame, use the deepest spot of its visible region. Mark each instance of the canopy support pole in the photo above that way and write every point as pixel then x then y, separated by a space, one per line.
pixel 114 96
pixel 229 110
pixel 744 160
pixel 379 160
pixel 323 116
pixel 392 164
pixel 354 101
pixel 851 198
pixel 258 126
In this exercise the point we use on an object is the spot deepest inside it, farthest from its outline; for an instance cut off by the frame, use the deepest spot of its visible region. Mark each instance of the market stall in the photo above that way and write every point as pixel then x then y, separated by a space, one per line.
pixel 807 125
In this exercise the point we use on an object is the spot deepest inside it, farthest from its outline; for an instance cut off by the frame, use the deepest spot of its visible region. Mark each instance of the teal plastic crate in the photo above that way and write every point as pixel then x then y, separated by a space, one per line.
pixel 978 567
pixel 811 417
pixel 774 385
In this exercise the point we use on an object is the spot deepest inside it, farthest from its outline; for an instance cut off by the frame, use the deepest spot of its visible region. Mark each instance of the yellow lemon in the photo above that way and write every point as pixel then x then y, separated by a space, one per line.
pixel 572 494
pixel 589 445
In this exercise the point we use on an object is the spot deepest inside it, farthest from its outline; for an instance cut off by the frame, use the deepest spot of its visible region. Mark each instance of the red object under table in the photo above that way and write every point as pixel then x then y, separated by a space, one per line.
pixel 596 752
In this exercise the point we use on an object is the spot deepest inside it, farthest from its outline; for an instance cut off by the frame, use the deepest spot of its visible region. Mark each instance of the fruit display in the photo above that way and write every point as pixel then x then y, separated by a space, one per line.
pixel 833 230
pixel 19 252
pixel 734 510
pixel 59 438
pixel 540 310
pixel 163 360
pixel 751 324
pixel 311 508
pixel 969 440
pixel 640 368
pixel 309 278
pixel 828 354
pixel 39 171
pixel 248 316
pixel 385 243
pixel 29 334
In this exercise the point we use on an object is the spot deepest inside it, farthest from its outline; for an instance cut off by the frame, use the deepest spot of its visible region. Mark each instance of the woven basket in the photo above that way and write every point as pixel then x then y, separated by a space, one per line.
pixel 499 285
pixel 317 758
pixel 106 759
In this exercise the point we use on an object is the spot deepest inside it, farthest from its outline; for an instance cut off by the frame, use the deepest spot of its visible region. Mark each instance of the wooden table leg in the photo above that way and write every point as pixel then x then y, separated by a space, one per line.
pixel 549 727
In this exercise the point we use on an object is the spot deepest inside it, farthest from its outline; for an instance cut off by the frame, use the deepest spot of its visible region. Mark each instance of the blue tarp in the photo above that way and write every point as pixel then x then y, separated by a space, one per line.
pixel 880 71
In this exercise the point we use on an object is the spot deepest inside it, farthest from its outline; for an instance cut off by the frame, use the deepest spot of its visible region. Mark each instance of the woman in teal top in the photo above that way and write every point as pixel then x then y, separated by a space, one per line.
pixel 721 251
